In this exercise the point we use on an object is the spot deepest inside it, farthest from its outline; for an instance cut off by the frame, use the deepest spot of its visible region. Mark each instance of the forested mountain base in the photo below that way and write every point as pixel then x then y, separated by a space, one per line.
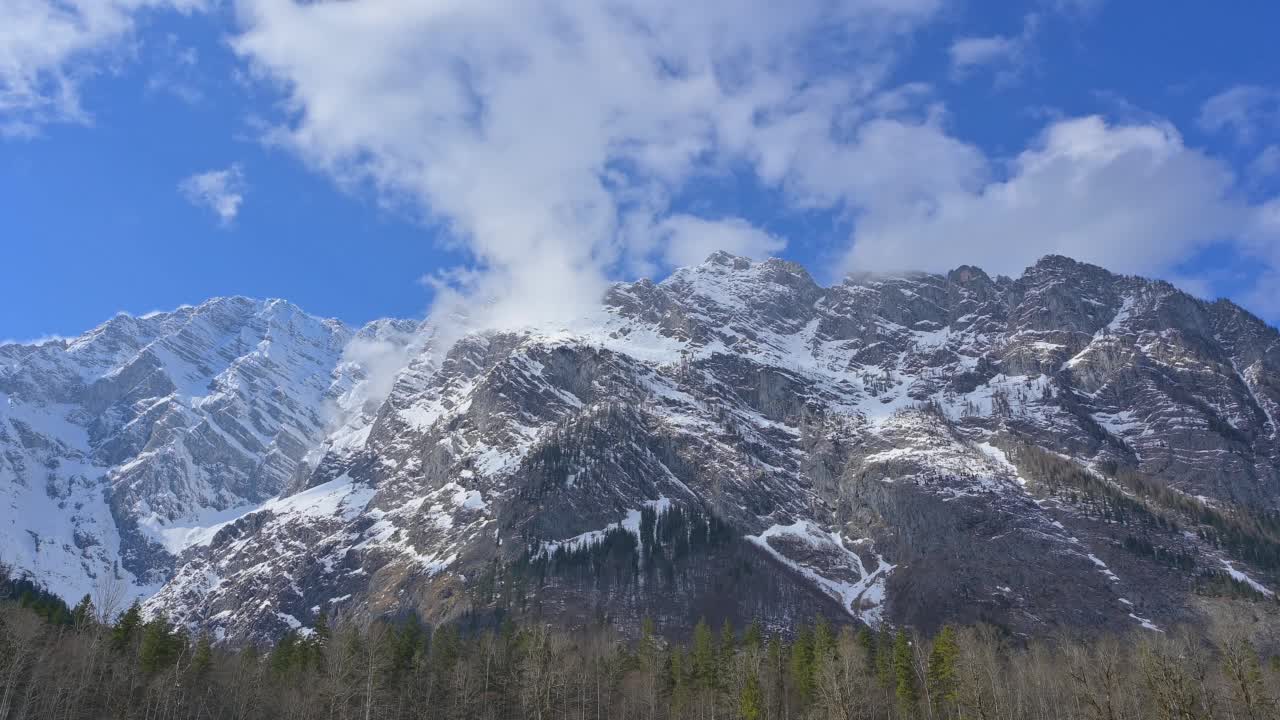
pixel 57 662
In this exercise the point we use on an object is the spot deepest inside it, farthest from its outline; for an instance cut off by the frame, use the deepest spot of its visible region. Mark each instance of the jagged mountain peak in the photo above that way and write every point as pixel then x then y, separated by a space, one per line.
pixel 1054 262
pixel 129 437
pixel 722 272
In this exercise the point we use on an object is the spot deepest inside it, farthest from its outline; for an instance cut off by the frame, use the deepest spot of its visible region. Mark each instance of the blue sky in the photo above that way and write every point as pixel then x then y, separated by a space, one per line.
pixel 159 152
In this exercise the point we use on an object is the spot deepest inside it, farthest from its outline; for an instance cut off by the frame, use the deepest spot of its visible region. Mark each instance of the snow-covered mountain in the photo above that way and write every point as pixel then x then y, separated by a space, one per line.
pixel 120 447
pixel 1068 449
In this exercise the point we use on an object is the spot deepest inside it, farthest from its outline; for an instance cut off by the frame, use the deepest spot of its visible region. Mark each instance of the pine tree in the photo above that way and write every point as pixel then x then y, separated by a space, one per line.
pixel 884 657
pixel 942 667
pixel 126 627
pixel 750 705
pixel 776 671
pixel 754 637
pixel 679 680
pixel 399 647
pixel 321 629
pixel 904 673
pixel 318 641
pixel 202 658
pixel 83 613
pixel 801 664
pixel 159 646
pixel 285 654
pixel 867 642
pixel 445 651
pixel 704 655
pixel 728 645
pixel 647 652
pixel 57 614
pixel 649 661
pixel 824 641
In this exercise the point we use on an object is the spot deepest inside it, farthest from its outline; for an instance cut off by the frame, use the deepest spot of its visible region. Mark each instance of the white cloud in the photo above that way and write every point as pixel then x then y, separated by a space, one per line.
pixel 46 48
pixel 891 165
pixel 42 340
pixel 381 359
pixel 1133 198
pixel 969 51
pixel 1006 55
pixel 221 191
pixel 546 133
pixel 1243 110
pixel 689 240
pixel 550 137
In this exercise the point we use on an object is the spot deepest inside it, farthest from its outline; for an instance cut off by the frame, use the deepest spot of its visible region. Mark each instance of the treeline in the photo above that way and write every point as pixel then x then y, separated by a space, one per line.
pixel 27 594
pixel 130 667
pixel 1248 534
pixel 1092 494
pixel 1129 498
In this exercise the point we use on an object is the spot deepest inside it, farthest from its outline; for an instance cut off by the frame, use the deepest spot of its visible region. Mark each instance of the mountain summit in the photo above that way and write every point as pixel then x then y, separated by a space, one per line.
pixel 1071 449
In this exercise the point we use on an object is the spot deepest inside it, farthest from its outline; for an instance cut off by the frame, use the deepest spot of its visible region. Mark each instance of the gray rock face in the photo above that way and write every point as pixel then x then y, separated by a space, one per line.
pixel 1069 449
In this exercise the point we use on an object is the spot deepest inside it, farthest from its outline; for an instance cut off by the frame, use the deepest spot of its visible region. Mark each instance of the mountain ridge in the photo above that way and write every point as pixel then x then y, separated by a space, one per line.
pixel 874 448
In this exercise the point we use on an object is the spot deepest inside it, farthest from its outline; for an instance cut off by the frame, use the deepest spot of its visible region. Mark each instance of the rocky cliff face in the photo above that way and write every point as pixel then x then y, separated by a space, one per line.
pixel 1070 449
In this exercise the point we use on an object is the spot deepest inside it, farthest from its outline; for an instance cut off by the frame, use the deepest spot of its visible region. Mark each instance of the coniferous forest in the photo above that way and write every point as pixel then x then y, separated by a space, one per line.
pixel 91 662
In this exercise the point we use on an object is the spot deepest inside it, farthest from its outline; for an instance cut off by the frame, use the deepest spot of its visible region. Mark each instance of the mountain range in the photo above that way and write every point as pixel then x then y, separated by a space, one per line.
pixel 1068 450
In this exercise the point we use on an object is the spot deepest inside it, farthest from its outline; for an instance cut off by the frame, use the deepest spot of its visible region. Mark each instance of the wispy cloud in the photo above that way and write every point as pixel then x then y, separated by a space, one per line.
pixel 1006 56
pixel 689 240
pixel 221 191
pixel 43 339
pixel 176 73
pixel 1244 111
pixel 47 48
pixel 1266 164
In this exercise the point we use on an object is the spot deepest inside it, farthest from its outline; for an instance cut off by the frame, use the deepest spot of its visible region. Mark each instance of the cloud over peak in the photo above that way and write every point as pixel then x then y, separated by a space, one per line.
pixel 1134 198
pixel 551 136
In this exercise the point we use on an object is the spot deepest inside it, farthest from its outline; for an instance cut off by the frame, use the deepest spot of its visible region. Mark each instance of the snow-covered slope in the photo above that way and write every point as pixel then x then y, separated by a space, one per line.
pixel 119 448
